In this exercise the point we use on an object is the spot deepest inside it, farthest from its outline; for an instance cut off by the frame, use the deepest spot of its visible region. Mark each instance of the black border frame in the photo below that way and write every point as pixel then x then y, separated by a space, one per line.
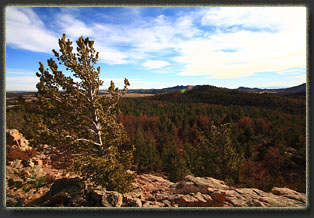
pixel 33 212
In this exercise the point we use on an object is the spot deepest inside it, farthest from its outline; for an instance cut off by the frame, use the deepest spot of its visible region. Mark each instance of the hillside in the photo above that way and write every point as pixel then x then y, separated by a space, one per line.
pixel 299 88
pixel 245 139
pixel 221 96
pixel 291 92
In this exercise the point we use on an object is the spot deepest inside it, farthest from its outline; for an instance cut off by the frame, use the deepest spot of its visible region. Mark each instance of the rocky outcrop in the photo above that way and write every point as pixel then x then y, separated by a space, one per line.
pixel 15 139
pixel 28 172
pixel 155 191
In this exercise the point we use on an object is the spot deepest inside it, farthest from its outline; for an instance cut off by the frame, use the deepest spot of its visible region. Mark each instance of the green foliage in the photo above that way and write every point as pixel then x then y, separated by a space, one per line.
pixel 214 95
pixel 218 154
pixel 74 117
pixel 174 163
pixel 146 155
pixel 109 172
pixel 175 125
pixel 174 134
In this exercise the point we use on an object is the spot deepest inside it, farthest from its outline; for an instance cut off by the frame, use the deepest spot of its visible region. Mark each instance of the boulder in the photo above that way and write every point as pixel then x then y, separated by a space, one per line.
pixel 63 192
pixel 289 193
pixel 206 185
pixel 194 200
pixel 251 197
pixel 103 198
pixel 15 139
pixel 191 192
pixel 112 199
pixel 152 184
pixel 130 201
pixel 218 197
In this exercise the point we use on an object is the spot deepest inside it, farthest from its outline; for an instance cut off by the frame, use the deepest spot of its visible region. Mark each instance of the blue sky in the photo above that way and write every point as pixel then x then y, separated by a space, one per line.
pixel 158 47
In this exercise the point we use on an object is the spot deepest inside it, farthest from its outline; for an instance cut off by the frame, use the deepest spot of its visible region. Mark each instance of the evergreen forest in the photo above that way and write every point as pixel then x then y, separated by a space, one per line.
pixel 246 139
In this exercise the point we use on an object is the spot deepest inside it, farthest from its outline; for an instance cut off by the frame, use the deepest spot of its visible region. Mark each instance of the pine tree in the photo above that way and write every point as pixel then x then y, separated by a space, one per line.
pixel 173 162
pixel 77 119
pixel 146 154
pixel 218 156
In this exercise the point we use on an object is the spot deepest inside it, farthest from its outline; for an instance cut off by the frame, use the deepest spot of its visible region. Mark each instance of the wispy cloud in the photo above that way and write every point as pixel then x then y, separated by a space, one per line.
pixel 25 30
pixel 144 38
pixel 218 42
pixel 293 71
pixel 24 79
pixel 155 64
pixel 271 18
pixel 73 27
pixel 255 51
pixel 21 73
pixel 300 77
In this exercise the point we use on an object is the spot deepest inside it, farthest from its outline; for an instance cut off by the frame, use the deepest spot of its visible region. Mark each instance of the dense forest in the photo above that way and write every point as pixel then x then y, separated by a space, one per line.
pixel 246 139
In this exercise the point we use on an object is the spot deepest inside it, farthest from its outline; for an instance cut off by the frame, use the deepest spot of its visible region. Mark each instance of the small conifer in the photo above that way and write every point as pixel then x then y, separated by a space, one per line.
pixel 77 119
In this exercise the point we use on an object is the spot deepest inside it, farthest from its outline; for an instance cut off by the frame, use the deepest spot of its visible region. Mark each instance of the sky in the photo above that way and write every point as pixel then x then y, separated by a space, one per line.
pixel 159 47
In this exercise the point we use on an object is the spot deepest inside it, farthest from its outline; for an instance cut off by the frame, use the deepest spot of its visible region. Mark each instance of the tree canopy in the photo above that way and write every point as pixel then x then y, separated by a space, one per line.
pixel 76 118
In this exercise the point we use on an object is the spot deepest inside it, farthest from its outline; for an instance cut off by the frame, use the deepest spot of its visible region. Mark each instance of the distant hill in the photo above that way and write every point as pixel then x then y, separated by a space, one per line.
pixel 283 91
pixel 163 90
pixel 222 96
pixel 295 89
pixel 298 88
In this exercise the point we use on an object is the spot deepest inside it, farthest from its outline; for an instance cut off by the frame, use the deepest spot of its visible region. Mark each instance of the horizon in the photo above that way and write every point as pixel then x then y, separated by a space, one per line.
pixel 161 47
pixel 104 89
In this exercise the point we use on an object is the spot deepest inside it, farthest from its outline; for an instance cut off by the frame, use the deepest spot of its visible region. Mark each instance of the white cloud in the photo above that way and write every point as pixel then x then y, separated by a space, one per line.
pixel 155 64
pixel 300 77
pixel 25 30
pixel 21 87
pixel 256 17
pixel 292 71
pixel 117 44
pixel 14 83
pixel 74 28
pixel 24 73
pixel 110 56
pixel 24 79
pixel 17 80
pixel 254 51
pixel 273 39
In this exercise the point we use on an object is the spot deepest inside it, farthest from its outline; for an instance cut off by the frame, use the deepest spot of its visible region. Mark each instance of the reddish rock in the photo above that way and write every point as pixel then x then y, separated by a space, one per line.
pixel 186 201
pixel 204 200
pixel 289 193
pixel 153 204
pixel 129 201
pixel 219 198
pixel 38 162
pixel 206 185
pixel 15 138
pixel 112 199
